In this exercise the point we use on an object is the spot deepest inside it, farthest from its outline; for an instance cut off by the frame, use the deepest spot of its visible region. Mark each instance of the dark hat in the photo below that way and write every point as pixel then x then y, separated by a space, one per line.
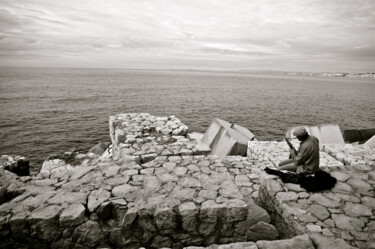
pixel 300 131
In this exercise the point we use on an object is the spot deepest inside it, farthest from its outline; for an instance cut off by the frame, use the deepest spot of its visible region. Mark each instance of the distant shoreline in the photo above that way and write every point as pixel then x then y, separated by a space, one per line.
pixel 221 70
pixel 343 75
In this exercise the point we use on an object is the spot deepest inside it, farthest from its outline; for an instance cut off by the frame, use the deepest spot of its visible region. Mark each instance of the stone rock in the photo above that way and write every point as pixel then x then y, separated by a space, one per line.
pixel 190 182
pixel 129 217
pixel 238 245
pixel 236 210
pixel 161 242
pixel 89 233
pixel 262 231
pixel 348 197
pixel 18 225
pixel 302 241
pixel 151 183
pixel 208 194
pixel 210 210
pixel 96 198
pixel 169 178
pixel 169 166
pixel 324 201
pixel 79 172
pixel 340 176
pixel 110 171
pixel 180 171
pixel 256 214
pixel 368 201
pixel 356 210
pixel 44 223
pixel 188 212
pixel 319 211
pixel 3 191
pixel 347 223
pixel 286 196
pixel 313 228
pixel 73 215
pixel 324 242
pixel 361 186
pixel 294 187
pixel 307 218
pixel 100 148
pixel 44 182
pixel 165 218
pixel 126 191
pixel 148 157
pixel 184 194
pixel 273 186
pixel 342 188
pixel 105 211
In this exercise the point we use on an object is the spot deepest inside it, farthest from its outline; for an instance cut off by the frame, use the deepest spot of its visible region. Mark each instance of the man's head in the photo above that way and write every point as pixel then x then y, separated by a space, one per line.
pixel 300 133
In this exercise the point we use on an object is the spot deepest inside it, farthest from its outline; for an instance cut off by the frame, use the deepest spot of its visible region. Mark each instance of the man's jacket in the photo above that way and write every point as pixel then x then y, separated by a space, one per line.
pixel 307 158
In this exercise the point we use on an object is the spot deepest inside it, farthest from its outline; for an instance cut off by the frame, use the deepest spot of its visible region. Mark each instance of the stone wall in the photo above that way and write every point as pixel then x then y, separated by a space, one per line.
pixel 353 155
pixel 163 190
pixel 171 201
pixel 346 213
pixel 142 137
pixel 157 191
pixel 272 152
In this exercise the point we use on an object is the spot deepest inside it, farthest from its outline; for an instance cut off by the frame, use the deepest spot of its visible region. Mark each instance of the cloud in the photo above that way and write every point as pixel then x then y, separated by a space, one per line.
pixel 311 35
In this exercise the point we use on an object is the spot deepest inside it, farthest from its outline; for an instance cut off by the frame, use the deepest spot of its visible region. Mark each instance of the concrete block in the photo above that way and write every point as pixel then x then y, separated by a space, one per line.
pixel 326 133
pixel 371 141
pixel 366 133
pixel 352 136
pixel 225 138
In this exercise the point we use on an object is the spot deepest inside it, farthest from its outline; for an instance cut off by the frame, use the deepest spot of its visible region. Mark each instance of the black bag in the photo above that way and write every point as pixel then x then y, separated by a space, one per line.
pixel 312 183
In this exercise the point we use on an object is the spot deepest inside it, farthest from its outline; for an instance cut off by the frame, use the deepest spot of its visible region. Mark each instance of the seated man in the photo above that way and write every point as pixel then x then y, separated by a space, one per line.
pixel 306 160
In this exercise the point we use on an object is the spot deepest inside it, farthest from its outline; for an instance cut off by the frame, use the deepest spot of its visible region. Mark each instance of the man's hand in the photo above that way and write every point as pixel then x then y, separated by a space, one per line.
pixel 293 153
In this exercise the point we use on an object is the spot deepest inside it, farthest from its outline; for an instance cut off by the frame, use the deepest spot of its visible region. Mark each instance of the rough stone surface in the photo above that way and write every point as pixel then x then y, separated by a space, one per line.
pixel 302 241
pixel 73 215
pixel 262 231
pixel 161 189
pixel 96 198
pixel 88 234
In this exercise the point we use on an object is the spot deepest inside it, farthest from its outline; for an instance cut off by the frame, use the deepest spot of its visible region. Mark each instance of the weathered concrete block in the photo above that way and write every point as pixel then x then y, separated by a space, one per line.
pixel 227 139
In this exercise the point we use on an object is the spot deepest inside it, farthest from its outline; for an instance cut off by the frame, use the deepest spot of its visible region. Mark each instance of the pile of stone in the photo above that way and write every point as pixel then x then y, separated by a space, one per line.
pixel 18 165
pixel 142 137
pixel 162 190
pixel 276 152
pixel 353 155
pixel 171 201
pixel 345 213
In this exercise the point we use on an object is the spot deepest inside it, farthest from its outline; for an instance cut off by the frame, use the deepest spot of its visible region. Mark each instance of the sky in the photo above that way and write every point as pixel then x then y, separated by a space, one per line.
pixel 282 35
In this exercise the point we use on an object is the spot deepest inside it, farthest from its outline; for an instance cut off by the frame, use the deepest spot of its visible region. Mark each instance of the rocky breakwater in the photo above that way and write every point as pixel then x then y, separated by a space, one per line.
pixel 172 200
pixel 345 214
pixel 142 137
pixel 18 164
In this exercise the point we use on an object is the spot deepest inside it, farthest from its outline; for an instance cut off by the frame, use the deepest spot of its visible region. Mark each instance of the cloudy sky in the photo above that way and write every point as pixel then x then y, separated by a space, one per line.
pixel 319 35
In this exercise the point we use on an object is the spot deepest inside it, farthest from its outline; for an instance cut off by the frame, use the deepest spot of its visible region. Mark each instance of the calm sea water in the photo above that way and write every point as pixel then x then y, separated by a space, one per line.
pixel 45 111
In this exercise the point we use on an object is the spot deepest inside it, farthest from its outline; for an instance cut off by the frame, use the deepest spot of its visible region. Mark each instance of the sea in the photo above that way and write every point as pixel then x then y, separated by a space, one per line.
pixel 51 111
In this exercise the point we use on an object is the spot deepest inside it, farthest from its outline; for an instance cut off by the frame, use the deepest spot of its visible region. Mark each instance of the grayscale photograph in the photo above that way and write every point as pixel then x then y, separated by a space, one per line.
pixel 200 124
